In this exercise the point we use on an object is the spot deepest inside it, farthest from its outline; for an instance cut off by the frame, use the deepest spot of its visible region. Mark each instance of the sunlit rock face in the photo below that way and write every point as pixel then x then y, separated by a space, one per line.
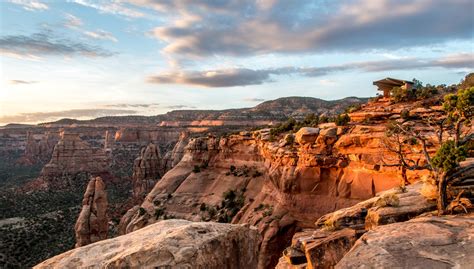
pixel 169 244
pixel 92 223
pixel 277 183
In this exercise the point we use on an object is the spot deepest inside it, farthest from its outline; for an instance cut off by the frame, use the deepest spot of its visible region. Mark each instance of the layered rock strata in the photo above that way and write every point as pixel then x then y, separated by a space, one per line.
pixel 147 169
pixel 169 244
pixel 71 155
pixel 337 232
pixel 92 223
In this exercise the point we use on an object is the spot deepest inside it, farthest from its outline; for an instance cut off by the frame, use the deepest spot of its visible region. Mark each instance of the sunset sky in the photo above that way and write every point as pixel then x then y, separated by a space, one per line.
pixel 83 59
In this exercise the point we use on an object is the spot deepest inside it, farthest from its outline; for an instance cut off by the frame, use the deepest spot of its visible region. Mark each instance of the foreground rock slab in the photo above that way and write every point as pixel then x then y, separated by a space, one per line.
pixel 425 242
pixel 169 244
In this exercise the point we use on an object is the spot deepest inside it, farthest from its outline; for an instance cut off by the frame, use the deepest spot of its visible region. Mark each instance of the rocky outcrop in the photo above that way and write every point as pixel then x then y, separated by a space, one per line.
pixel 92 223
pixel 173 157
pixel 169 244
pixel 425 242
pixel 147 169
pixel 71 155
pixel 337 232
pixel 307 135
pixel 39 147
pixel 277 183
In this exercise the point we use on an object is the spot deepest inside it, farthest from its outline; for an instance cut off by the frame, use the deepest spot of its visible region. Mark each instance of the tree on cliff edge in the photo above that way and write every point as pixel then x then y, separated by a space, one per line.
pixel 403 139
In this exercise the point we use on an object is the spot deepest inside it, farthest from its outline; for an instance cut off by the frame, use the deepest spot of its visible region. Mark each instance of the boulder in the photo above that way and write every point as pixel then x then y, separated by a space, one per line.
pixel 169 244
pixel 307 135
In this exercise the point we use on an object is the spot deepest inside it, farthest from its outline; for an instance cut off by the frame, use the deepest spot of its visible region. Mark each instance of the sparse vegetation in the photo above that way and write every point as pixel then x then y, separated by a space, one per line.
pixel 342 120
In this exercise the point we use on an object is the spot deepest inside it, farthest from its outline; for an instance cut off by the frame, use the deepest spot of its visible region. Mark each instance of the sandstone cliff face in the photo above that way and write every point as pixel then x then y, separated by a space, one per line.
pixel 92 223
pixel 147 169
pixel 169 244
pixel 71 155
pixel 173 157
pixel 278 186
pixel 38 148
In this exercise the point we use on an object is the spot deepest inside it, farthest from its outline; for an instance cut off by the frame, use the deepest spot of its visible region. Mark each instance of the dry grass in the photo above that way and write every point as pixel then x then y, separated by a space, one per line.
pixel 429 189
pixel 388 199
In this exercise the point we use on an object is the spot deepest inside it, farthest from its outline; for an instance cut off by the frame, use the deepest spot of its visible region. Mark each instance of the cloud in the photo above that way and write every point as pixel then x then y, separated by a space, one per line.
pixel 254 99
pixel 243 77
pixel 73 113
pixel 327 82
pixel 45 44
pixel 134 105
pixel 31 5
pixel 115 8
pixel 18 81
pixel 101 34
pixel 241 28
pixel 214 78
pixel 180 107
pixel 72 21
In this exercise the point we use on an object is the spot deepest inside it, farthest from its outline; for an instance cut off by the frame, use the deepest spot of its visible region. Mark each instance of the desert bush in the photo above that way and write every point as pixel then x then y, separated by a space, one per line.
pixel 342 120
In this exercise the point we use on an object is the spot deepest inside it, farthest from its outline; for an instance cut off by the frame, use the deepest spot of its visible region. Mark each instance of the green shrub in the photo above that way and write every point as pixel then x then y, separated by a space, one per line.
pixel 448 156
pixel 141 211
pixel 405 114
pixel 196 169
pixel 342 120
pixel 159 212
pixel 203 207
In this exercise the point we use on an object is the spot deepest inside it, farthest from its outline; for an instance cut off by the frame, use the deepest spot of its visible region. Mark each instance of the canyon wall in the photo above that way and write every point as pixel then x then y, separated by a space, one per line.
pixel 279 184
pixel 72 155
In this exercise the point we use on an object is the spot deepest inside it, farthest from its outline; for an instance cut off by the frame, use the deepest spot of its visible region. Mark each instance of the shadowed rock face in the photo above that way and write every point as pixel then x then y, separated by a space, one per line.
pixel 92 223
pixel 169 244
pixel 38 150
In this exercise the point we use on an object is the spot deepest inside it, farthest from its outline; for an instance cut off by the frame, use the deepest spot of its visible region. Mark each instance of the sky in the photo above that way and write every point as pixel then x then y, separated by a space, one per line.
pixel 84 59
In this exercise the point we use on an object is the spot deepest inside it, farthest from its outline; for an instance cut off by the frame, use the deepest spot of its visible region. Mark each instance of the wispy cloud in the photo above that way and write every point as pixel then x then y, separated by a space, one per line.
pixel 31 5
pixel 254 99
pixel 100 34
pixel 72 21
pixel 133 105
pixel 115 7
pixel 243 77
pixel 180 106
pixel 76 23
pixel 19 82
pixel 73 113
pixel 46 44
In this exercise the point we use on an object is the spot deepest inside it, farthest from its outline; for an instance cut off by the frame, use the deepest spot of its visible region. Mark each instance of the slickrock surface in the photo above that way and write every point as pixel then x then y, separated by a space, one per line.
pixel 169 244
pixel 147 169
pixel 71 155
pixel 92 223
pixel 425 242
pixel 338 231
